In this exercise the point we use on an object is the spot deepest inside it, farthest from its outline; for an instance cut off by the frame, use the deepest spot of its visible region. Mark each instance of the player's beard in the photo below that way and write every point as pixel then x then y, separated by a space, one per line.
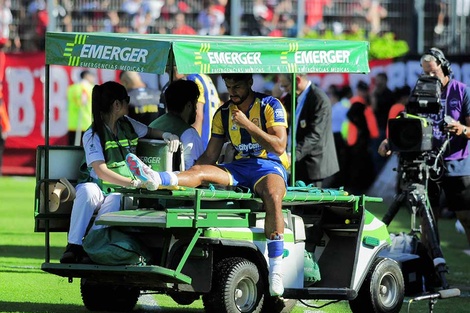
pixel 239 99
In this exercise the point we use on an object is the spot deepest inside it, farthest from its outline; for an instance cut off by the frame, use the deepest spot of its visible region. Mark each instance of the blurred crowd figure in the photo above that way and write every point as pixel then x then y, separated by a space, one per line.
pixel 29 19
pixel 340 104
pixel 373 12
pixel 5 21
pixel 279 17
pixel 461 8
pixel 381 100
pixel 79 106
pixel 145 105
pixel 439 28
pixel 181 28
pixel 4 119
pixel 361 130
pixel 364 18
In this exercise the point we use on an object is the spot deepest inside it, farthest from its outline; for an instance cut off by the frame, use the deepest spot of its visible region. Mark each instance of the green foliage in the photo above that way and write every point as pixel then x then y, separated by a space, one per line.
pixel 385 47
pixel 381 47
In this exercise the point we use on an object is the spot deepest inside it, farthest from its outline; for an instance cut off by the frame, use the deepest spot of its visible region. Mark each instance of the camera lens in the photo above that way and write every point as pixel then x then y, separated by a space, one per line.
pixel 409 134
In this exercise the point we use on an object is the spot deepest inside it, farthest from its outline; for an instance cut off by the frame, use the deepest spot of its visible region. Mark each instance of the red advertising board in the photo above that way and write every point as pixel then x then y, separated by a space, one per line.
pixel 23 90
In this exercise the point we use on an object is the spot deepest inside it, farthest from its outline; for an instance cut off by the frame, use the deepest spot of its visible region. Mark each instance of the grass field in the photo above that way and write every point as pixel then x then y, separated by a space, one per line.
pixel 25 288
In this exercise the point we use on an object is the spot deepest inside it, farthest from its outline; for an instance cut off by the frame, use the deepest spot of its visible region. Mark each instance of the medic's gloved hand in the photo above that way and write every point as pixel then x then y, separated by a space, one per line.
pixel 172 141
pixel 149 185
pixel 136 183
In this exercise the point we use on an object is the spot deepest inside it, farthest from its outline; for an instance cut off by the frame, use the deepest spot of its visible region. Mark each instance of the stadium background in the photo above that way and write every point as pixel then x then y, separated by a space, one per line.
pixel 412 21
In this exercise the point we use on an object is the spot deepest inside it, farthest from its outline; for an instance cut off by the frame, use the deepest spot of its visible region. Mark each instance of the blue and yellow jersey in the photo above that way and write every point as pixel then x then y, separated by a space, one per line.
pixel 210 97
pixel 266 111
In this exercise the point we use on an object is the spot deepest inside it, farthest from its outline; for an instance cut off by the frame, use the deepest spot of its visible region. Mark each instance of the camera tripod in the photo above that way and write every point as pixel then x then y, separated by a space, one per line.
pixel 414 174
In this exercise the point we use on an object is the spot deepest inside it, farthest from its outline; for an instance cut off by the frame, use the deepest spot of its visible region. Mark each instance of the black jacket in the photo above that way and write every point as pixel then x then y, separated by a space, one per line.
pixel 316 157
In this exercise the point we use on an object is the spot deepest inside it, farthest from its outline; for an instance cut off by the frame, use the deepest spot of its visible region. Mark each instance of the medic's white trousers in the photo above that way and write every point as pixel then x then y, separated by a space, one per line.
pixel 89 199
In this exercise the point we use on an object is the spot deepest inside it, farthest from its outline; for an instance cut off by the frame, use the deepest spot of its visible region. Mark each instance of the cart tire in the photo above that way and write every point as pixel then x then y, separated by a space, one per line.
pixel 236 287
pixel 106 297
pixel 184 298
pixel 382 291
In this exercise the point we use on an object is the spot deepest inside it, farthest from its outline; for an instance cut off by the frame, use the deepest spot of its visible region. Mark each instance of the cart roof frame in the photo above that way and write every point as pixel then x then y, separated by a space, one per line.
pixel 206 54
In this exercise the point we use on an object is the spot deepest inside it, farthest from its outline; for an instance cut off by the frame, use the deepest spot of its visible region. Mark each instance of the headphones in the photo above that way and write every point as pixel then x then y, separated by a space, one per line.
pixel 441 59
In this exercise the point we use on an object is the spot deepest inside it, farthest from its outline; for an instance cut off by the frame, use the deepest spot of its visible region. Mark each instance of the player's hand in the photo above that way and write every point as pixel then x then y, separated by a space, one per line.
pixel 172 141
pixel 239 118
pixel 384 148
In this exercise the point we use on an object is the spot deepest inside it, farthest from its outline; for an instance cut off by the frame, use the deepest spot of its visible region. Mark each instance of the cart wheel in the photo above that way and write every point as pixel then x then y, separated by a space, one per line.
pixel 382 291
pixel 236 287
pixel 184 298
pixel 106 297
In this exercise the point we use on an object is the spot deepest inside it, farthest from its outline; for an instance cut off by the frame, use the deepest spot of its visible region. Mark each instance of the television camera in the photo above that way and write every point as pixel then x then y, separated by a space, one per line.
pixel 411 135
pixel 410 132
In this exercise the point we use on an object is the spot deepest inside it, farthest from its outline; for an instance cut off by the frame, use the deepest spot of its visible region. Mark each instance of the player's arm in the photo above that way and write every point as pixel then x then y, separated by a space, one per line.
pixel 456 127
pixel 274 140
pixel 199 117
pixel 384 148
pixel 106 174
pixel 201 102
pixel 466 112
pixel 212 153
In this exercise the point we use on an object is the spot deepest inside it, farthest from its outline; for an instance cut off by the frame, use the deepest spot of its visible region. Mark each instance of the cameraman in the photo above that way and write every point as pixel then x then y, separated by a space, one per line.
pixel 455 101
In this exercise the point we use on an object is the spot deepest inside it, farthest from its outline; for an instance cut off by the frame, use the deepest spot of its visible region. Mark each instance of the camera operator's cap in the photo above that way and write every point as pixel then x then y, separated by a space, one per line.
pixel 441 59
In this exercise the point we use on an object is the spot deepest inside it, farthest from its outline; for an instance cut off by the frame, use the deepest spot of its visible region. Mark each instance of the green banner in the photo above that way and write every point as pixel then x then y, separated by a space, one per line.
pixel 107 51
pixel 206 54
pixel 272 56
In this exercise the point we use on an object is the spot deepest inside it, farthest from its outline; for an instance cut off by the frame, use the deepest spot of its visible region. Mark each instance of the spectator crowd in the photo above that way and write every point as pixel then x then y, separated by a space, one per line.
pixel 28 20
